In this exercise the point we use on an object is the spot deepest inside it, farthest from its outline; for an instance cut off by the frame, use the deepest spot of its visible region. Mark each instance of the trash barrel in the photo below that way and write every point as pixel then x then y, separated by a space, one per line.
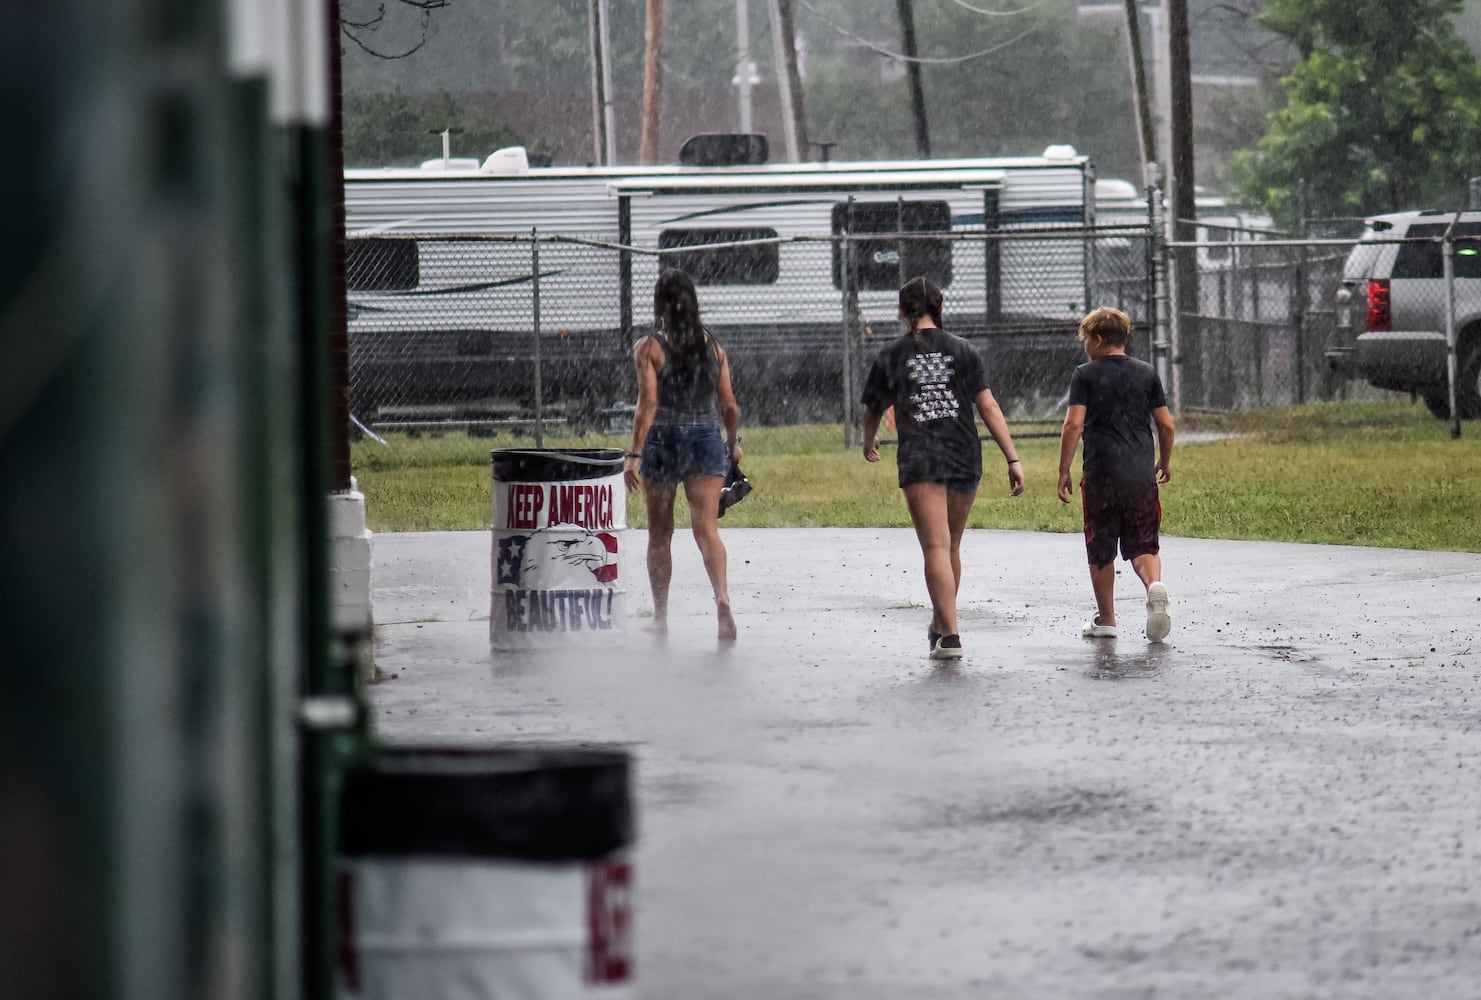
pixel 474 873
pixel 559 518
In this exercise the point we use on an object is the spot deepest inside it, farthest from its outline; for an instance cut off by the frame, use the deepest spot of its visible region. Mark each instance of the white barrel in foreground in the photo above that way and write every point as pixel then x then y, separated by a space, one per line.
pixel 559 518
pixel 487 873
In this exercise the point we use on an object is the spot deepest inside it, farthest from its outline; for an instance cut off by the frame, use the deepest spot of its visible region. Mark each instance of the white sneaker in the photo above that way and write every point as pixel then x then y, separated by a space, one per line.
pixel 1159 622
pixel 1095 630
pixel 947 647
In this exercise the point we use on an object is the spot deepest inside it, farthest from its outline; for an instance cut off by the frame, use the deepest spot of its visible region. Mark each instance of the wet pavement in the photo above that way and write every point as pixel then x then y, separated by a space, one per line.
pixel 1281 801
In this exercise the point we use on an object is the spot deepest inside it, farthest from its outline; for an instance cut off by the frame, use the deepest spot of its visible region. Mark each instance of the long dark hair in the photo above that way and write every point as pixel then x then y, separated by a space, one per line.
pixel 920 297
pixel 676 315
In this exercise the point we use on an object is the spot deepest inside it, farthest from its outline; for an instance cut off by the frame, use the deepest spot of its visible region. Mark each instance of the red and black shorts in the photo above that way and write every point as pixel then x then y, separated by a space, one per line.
pixel 1128 513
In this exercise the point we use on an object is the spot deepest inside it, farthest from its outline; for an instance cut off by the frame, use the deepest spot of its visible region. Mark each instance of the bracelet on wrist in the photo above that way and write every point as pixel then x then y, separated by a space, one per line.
pixel 1014 461
pixel 633 454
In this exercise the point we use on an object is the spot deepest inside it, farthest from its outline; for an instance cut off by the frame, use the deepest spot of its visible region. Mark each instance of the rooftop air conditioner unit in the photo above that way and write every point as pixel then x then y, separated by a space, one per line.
pixel 509 160
pixel 451 163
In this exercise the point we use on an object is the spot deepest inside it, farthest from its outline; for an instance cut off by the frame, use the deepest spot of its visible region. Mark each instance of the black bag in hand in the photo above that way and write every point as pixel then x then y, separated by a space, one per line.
pixel 736 487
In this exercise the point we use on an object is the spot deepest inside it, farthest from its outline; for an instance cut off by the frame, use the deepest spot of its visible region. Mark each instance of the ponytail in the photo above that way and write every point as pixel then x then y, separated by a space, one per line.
pixel 918 298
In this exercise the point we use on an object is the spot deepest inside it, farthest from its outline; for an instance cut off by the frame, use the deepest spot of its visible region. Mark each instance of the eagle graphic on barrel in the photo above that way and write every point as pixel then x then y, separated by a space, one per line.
pixel 546 560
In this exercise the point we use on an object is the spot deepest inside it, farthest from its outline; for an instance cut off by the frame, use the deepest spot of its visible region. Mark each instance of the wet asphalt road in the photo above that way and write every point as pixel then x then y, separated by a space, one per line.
pixel 1282 801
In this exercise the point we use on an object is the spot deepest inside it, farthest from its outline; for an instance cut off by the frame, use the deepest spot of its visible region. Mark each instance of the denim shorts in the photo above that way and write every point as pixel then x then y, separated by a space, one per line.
pixel 674 452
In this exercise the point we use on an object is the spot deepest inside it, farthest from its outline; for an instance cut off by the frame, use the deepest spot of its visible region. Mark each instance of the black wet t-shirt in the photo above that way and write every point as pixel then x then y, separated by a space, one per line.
pixel 1119 394
pixel 933 386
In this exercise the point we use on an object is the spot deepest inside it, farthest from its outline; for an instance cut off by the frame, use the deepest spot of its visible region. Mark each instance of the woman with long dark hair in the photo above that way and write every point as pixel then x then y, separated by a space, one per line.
pixel 935 380
pixel 684 401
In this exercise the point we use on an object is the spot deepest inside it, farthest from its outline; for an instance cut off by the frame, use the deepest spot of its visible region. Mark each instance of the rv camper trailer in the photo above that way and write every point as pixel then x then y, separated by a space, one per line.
pixel 444 295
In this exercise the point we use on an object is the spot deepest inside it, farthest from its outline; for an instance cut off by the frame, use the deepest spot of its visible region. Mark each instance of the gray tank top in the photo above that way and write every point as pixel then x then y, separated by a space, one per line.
pixel 687 397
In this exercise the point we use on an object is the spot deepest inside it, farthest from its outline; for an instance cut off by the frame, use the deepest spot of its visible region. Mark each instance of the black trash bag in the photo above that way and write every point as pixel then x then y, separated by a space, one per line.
pixel 737 487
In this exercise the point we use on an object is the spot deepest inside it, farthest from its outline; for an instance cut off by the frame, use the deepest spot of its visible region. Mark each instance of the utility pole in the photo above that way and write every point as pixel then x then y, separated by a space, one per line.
pixel 652 80
pixel 1184 207
pixel 1180 70
pixel 790 94
pixel 912 71
pixel 1146 128
pixel 789 79
pixel 603 135
pixel 745 70
pixel 609 105
pixel 1161 89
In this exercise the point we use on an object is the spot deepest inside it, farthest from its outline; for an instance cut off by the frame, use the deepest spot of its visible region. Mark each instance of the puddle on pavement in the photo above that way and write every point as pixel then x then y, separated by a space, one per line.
pixel 1029 806
pixel 1139 661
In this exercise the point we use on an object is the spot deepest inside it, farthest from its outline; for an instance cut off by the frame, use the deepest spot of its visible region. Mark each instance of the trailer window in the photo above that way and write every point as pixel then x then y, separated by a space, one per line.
pixel 751 265
pixel 887 263
pixel 1214 255
pixel 1426 260
pixel 381 264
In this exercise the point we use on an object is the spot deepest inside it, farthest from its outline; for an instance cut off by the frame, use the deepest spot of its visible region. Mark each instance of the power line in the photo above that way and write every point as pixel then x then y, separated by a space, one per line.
pixel 999 13
pixel 923 60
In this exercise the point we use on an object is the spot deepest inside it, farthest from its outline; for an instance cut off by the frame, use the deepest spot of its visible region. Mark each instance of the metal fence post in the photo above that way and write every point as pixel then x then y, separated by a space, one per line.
pixel 992 260
pixel 1158 301
pixel 1227 352
pixel 1298 317
pixel 535 308
pixel 850 304
pixel 1447 253
pixel 625 293
pixel 1241 329
pixel 1257 327
pixel 1174 278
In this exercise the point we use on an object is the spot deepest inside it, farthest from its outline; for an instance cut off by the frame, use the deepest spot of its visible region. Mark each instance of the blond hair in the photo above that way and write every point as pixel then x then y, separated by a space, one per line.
pixel 1112 326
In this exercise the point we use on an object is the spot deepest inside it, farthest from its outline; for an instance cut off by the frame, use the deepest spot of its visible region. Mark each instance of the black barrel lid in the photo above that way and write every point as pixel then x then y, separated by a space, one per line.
pixel 535 803
pixel 549 465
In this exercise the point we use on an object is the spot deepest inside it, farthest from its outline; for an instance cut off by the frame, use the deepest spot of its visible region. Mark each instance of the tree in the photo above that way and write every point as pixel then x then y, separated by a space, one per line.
pixel 398 130
pixel 364 20
pixel 1001 77
pixel 1236 119
pixel 1382 112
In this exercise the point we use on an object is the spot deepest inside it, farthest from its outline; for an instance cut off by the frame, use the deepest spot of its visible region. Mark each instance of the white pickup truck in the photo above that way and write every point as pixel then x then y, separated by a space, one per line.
pixel 1391 309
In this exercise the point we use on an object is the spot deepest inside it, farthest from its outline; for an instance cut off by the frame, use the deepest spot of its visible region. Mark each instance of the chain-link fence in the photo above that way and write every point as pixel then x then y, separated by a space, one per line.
pixel 1276 321
pixel 462 343
pixel 1254 328
pixel 531 338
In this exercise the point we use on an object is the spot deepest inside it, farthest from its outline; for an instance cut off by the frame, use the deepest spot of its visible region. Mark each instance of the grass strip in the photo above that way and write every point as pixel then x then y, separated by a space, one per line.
pixel 1380 474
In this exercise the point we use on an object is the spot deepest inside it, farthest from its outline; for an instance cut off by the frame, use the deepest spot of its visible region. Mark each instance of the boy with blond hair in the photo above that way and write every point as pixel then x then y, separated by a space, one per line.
pixel 1114 402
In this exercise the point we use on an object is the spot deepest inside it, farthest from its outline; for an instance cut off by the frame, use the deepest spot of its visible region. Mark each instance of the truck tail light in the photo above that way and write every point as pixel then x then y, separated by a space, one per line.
pixel 1380 315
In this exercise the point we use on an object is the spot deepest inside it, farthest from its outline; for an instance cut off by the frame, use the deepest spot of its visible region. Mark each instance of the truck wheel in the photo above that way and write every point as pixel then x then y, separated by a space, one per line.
pixel 1438 403
pixel 1468 382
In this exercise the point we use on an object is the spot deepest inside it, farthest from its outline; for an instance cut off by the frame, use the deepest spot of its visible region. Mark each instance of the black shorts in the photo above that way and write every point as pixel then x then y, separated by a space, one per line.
pixel 961 484
pixel 1128 513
